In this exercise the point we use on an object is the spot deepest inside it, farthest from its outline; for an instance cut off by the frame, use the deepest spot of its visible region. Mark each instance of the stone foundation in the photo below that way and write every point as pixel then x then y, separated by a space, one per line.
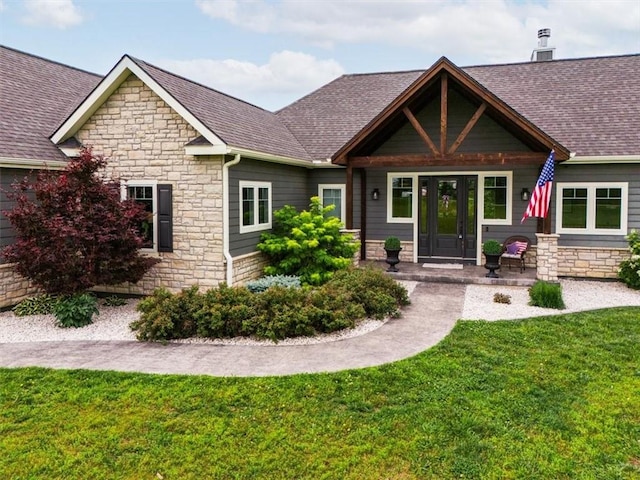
pixel 375 251
pixel 13 287
pixel 590 262
pixel 248 267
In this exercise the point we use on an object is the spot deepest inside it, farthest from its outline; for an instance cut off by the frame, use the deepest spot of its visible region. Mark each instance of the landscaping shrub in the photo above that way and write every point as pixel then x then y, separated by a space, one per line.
pixel 276 313
pixel 378 293
pixel 38 305
pixel 629 271
pixel 261 284
pixel 73 231
pixel 308 244
pixel 280 313
pixel 76 310
pixel 224 311
pixel 166 316
pixel 546 295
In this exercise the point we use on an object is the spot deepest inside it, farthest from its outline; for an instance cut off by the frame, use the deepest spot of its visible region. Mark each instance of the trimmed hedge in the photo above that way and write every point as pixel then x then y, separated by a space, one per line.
pixel 276 313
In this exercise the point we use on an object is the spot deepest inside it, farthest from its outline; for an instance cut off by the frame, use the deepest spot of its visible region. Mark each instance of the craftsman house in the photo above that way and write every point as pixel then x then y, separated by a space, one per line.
pixel 441 158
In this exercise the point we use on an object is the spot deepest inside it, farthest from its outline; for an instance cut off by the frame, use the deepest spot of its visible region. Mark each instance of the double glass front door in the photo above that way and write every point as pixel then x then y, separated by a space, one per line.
pixel 447 217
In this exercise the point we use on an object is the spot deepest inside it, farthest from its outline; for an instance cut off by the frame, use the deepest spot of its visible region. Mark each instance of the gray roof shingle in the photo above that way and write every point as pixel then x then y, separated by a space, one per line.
pixel 590 105
pixel 236 122
pixel 35 96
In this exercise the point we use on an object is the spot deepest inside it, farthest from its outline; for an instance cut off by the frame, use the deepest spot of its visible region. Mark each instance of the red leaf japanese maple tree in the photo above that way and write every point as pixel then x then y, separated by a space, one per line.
pixel 73 231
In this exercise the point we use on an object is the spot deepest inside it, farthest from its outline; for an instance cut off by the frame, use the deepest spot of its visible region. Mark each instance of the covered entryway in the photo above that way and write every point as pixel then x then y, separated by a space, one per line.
pixel 447 218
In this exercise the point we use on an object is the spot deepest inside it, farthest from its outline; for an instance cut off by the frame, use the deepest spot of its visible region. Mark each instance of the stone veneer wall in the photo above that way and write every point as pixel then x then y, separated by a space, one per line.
pixel 547 257
pixel 248 267
pixel 590 262
pixel 375 251
pixel 144 139
pixel 13 287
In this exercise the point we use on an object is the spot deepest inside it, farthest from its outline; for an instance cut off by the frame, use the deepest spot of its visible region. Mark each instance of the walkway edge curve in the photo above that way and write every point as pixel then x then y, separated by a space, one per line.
pixel 433 312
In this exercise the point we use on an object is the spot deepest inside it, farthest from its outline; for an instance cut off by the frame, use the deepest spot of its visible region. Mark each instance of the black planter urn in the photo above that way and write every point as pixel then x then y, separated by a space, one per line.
pixel 492 264
pixel 392 259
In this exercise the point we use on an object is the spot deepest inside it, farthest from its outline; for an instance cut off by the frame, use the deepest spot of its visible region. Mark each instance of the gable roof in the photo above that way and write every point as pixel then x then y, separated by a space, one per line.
pixel 590 105
pixel 35 95
pixel 445 71
pixel 219 118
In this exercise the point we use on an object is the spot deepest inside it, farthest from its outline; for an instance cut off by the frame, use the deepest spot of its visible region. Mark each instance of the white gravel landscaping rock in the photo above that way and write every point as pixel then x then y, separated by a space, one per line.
pixel 113 324
pixel 578 296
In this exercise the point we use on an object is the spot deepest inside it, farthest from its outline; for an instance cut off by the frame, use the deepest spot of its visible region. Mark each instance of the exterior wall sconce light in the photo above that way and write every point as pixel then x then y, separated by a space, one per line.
pixel 375 194
pixel 525 195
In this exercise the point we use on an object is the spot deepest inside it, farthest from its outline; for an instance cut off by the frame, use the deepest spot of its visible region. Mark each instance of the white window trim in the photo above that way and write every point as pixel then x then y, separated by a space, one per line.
pixel 414 197
pixel 495 221
pixel 257 226
pixel 145 183
pixel 335 186
pixel 591 208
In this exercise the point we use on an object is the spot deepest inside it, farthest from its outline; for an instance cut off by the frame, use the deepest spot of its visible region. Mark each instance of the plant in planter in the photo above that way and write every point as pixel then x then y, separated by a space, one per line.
pixel 392 246
pixel 492 250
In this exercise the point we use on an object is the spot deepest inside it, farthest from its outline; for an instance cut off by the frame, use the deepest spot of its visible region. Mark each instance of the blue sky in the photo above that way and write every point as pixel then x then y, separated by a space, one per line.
pixel 272 52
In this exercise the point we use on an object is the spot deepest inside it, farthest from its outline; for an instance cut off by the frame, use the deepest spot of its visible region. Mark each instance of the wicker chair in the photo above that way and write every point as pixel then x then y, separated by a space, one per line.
pixel 515 248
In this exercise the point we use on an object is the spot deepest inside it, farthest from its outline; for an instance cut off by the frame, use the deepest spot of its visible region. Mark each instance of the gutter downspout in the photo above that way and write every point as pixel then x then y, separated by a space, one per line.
pixel 225 216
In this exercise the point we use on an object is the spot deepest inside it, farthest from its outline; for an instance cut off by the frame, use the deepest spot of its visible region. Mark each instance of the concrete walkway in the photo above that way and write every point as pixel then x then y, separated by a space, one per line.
pixel 432 314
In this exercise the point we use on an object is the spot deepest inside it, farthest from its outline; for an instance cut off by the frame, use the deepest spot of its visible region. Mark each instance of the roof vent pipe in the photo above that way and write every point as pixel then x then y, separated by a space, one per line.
pixel 543 36
pixel 544 51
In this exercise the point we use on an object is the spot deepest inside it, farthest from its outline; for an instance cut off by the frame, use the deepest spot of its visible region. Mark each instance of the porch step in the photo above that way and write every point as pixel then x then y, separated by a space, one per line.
pixel 469 274
pixel 471 280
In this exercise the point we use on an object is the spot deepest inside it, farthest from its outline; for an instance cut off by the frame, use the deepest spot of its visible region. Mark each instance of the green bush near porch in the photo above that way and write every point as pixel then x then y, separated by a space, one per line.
pixel 308 244
pixel 275 313
pixel 540 399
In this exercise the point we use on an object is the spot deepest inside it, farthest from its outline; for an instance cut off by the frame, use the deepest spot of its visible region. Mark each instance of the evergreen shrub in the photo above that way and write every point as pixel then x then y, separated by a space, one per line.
pixel 261 284
pixel 276 313
pixel 308 244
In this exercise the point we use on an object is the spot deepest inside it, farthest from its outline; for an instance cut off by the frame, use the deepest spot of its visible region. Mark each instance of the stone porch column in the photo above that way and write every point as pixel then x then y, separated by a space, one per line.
pixel 356 237
pixel 547 257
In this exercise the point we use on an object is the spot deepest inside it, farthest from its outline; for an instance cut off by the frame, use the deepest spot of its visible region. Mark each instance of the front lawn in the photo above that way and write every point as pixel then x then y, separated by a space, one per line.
pixel 555 397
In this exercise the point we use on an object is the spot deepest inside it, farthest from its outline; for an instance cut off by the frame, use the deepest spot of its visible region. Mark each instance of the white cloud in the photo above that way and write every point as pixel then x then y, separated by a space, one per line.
pixel 287 73
pixel 56 13
pixel 489 30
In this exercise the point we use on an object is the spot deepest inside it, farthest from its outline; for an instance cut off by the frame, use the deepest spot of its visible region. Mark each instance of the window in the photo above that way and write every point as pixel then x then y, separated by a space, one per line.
pixel 143 194
pixel 592 208
pixel 255 205
pixel 400 199
pixel 496 198
pixel 333 194
pixel 156 229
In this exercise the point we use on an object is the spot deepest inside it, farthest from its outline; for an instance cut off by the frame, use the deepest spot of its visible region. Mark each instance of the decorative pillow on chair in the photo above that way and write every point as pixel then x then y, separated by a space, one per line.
pixel 516 248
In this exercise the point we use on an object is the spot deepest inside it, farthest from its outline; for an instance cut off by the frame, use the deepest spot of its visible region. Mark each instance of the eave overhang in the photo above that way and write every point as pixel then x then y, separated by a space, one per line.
pixel 109 84
pixel 443 154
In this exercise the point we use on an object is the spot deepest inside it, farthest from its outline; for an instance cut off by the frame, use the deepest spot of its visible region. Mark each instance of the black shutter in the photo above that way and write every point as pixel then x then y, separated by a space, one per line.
pixel 165 218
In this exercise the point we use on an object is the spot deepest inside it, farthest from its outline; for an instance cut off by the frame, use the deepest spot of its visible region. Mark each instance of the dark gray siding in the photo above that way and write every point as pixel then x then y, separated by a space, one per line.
pixel 486 136
pixel 339 176
pixel 7 177
pixel 289 186
pixel 629 173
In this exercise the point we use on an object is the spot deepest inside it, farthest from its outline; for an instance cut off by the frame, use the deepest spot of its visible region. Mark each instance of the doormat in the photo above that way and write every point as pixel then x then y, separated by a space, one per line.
pixel 443 266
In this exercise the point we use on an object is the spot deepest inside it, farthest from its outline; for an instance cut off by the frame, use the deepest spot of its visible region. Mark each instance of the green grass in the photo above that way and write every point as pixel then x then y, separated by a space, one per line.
pixel 555 397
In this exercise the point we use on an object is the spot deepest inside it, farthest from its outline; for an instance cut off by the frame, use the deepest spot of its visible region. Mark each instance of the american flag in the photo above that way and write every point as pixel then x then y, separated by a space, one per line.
pixel 541 196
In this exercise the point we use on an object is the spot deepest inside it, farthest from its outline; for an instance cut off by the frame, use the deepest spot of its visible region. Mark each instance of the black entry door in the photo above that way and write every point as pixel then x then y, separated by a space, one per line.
pixel 447 220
